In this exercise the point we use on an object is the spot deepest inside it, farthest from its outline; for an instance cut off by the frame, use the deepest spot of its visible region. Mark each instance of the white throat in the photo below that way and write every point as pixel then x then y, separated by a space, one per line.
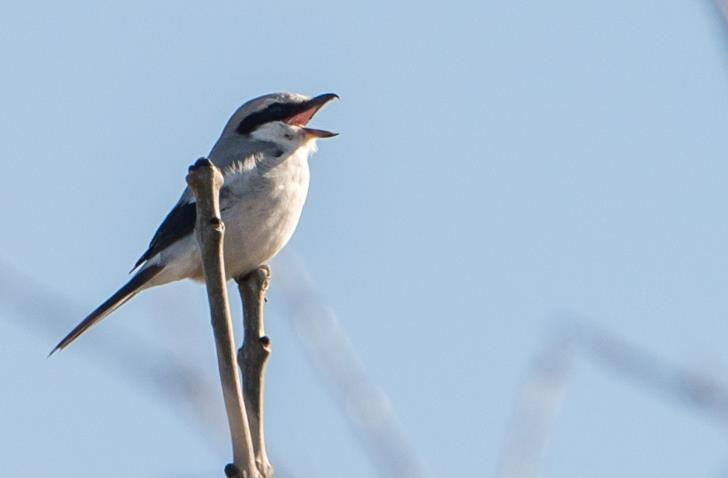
pixel 287 138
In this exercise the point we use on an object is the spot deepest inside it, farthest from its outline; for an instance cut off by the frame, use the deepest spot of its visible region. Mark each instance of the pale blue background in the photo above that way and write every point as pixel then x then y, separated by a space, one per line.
pixel 499 163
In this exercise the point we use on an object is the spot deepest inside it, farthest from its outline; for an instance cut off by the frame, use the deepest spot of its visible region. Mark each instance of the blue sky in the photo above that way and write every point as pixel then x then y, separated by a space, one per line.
pixel 500 164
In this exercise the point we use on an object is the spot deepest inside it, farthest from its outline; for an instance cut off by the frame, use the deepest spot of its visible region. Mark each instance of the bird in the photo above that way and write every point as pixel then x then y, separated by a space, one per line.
pixel 263 154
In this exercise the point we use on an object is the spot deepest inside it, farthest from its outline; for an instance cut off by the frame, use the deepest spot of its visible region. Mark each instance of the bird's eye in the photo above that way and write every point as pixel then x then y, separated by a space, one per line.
pixel 275 108
pixel 288 136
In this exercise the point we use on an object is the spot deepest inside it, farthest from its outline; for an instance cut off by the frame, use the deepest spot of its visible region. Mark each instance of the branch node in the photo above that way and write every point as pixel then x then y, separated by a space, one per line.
pixel 258 280
pixel 200 163
pixel 231 471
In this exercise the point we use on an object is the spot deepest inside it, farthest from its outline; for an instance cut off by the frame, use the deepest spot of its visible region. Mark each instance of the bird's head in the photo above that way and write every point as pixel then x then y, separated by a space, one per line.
pixel 279 118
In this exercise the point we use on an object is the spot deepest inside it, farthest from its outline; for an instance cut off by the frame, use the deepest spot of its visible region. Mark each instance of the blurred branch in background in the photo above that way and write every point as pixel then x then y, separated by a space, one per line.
pixel 545 385
pixel 718 11
pixel 530 428
pixel 366 407
pixel 154 369
pixel 325 343
pixel 722 6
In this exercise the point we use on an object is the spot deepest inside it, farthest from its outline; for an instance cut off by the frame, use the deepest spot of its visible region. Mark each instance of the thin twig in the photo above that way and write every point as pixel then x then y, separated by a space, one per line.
pixel 252 358
pixel 205 181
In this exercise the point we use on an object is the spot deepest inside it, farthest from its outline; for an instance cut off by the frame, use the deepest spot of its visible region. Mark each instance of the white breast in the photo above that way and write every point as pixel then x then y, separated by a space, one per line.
pixel 261 207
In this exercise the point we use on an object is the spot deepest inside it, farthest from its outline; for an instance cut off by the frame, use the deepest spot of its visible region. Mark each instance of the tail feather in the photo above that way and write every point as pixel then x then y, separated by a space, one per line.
pixel 128 291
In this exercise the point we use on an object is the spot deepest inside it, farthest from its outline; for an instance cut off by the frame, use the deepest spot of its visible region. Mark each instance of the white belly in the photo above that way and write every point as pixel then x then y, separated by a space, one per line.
pixel 262 220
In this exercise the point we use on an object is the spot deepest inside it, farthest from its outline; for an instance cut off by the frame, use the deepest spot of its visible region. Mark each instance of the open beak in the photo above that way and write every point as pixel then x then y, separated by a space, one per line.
pixel 318 133
pixel 307 110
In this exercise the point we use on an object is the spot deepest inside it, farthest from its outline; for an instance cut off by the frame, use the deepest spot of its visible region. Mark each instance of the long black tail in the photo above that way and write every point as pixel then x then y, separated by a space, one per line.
pixel 128 291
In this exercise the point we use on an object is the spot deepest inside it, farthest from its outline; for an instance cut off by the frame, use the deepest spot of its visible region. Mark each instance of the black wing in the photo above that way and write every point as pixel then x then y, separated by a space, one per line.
pixel 178 223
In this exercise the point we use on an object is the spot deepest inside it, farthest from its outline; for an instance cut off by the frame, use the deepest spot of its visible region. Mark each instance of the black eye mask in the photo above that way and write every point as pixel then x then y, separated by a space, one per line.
pixel 274 112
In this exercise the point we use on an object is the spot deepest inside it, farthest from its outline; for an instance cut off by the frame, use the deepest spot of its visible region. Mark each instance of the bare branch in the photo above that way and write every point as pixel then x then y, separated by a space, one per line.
pixel 252 358
pixel 205 180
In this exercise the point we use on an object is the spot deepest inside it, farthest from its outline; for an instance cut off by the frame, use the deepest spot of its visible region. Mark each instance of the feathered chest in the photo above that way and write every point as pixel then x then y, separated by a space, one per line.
pixel 266 190
pixel 261 204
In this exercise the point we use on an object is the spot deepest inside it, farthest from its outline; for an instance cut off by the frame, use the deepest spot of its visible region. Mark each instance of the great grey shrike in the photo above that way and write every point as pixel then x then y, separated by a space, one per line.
pixel 263 155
